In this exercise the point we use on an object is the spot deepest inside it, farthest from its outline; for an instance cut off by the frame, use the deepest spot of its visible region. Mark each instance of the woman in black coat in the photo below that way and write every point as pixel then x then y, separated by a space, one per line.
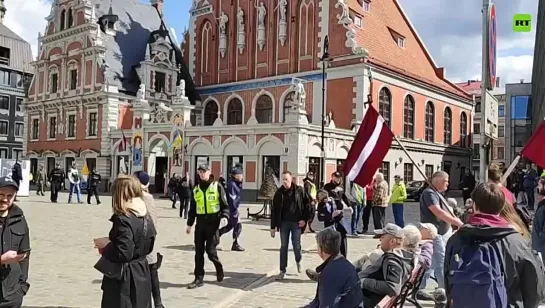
pixel 330 212
pixel 131 238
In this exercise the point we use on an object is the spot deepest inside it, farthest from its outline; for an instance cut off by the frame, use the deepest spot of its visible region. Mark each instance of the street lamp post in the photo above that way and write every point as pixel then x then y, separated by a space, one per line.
pixel 325 60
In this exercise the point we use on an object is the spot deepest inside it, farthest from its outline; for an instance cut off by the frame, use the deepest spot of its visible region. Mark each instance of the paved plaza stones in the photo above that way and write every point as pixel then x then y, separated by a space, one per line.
pixel 62 273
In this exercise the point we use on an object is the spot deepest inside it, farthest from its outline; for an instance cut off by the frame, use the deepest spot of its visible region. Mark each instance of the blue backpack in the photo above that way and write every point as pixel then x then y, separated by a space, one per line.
pixel 476 276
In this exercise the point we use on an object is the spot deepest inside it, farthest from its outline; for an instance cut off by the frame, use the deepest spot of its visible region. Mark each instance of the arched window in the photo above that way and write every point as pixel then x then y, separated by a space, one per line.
pixel 264 109
pixel 234 112
pixel 384 103
pixel 288 103
pixel 206 48
pixel 447 126
pixel 429 129
pixel 210 113
pixel 63 19
pixel 408 117
pixel 70 18
pixel 463 130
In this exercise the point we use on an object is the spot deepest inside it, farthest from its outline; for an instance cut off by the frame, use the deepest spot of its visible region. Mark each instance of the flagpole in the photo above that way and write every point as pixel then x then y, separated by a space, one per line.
pixel 510 169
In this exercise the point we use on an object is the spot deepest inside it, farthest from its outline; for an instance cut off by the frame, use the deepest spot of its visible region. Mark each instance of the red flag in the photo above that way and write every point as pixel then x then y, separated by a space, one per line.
pixel 533 150
pixel 372 142
pixel 123 144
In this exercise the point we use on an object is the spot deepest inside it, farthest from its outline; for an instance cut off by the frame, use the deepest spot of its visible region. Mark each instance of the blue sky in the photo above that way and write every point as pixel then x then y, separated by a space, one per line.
pixel 177 14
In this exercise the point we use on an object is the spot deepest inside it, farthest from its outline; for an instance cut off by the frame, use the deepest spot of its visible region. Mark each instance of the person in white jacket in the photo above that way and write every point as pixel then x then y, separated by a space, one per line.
pixel 75 179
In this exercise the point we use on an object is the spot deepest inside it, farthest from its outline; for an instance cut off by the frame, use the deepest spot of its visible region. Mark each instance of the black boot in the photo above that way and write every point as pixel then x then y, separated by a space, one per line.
pixel 219 274
pixel 197 283
pixel 236 247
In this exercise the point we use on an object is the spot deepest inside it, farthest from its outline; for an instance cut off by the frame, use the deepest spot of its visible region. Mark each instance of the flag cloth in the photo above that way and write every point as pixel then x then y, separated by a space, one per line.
pixel 533 150
pixel 123 144
pixel 372 142
pixel 176 140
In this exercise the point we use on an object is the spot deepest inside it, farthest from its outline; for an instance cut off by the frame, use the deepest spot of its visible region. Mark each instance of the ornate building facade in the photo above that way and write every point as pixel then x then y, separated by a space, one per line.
pixel 106 70
pixel 250 60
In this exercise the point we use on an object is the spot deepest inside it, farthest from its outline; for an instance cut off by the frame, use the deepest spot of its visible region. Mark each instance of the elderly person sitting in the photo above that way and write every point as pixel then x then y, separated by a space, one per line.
pixel 338 281
pixel 386 276
pixel 428 232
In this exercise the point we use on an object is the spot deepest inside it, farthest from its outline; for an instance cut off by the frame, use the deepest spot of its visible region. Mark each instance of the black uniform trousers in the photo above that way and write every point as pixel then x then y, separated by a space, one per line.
pixel 13 301
pixel 55 188
pixel 206 240
pixel 92 191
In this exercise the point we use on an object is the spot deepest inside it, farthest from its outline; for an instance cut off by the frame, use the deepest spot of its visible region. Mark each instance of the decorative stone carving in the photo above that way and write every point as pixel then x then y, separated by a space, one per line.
pixel 223 20
pixel 283 23
pixel 141 94
pixel 251 141
pixel 180 89
pixel 345 20
pixel 261 34
pixel 216 141
pixel 241 32
pixel 300 95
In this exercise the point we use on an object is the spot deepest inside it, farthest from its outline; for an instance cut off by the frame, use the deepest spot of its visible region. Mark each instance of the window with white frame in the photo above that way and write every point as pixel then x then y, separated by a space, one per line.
pixel 54 82
pixel 401 42
pixel 358 21
pixel 73 78
pixel 18 129
pixel 4 153
pixel 20 80
pixel 4 102
pixel 160 82
pixel 71 126
pixel 4 128
pixel 4 77
pixel 92 127
pixel 52 127
pixel 367 5
pixel 35 128
pixel 17 153
pixel 18 104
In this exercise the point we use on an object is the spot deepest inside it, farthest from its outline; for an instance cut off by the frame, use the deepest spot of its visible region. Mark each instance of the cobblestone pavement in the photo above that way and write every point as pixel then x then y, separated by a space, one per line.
pixel 62 273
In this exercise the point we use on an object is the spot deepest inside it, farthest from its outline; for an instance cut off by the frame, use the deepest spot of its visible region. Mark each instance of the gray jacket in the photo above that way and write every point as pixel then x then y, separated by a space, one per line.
pixel 152 210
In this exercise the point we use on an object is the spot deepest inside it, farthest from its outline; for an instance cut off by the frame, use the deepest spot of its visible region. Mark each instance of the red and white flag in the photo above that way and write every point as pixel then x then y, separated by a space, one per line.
pixel 123 144
pixel 372 142
pixel 533 150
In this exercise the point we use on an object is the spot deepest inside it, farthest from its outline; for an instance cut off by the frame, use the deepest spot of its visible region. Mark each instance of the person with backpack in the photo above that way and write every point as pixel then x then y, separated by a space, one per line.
pixel 488 263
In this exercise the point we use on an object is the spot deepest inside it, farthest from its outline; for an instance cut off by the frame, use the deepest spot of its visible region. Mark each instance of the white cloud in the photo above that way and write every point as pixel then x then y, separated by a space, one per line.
pixel 27 18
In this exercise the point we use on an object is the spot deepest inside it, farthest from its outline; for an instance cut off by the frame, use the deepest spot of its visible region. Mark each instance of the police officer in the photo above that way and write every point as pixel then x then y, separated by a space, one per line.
pixel 310 194
pixel 56 177
pixel 92 183
pixel 209 206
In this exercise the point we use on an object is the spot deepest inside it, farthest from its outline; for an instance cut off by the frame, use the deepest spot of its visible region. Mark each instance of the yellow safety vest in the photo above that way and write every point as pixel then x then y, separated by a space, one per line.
pixel 209 202
pixel 359 193
pixel 313 190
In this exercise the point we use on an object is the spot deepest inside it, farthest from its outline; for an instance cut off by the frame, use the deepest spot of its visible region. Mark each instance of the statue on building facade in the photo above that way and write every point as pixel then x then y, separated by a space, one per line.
pixel 223 20
pixel 300 95
pixel 283 22
pixel 261 29
pixel 241 32
pixel 180 89
pixel 141 94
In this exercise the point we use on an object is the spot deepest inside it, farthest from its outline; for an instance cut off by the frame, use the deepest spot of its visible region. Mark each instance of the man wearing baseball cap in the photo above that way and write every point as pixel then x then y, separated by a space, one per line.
pixel 211 210
pixel 15 246
pixel 387 275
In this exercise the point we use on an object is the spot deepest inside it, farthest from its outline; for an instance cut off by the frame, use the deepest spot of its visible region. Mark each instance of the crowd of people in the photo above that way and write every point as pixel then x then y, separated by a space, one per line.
pixel 485 253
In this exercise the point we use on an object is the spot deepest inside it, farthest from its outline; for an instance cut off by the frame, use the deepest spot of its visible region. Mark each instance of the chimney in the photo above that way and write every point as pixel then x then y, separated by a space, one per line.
pixel 522 81
pixel 469 82
pixel 158 4
pixel 2 11
pixel 498 83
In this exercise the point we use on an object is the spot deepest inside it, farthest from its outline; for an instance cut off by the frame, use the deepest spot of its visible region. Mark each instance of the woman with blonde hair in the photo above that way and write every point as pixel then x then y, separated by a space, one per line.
pixel 509 213
pixel 126 282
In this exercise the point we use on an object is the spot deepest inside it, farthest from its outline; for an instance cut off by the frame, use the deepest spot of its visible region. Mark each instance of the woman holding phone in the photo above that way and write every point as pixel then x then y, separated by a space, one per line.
pixel 126 281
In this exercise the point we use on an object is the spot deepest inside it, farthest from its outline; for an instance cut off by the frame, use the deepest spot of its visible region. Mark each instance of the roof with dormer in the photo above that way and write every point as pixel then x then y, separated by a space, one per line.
pixel 386 20
pixel 127 49
pixel 20 50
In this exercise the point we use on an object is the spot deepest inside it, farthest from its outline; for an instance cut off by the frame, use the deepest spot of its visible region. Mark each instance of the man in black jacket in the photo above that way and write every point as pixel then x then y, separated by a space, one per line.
pixel 17 173
pixel 289 214
pixel 335 189
pixel 184 193
pixel 524 276
pixel 310 194
pixel 92 183
pixel 209 207
pixel 56 177
pixel 15 247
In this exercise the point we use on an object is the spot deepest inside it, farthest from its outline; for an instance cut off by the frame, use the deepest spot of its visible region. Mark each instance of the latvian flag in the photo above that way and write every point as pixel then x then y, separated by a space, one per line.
pixel 123 144
pixel 372 142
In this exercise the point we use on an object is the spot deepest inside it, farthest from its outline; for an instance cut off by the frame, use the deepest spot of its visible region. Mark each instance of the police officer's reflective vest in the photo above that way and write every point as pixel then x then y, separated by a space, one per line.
pixel 359 193
pixel 313 190
pixel 208 203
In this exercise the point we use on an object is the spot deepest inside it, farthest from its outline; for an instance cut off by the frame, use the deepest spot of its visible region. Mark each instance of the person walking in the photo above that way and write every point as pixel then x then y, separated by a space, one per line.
pixel 126 281
pixel 56 178
pixel 211 210
pixel 92 184
pixel 310 194
pixel 185 195
pixel 234 191
pixel 467 185
pixel 173 185
pixel 530 183
pixel 15 252
pixel 40 181
pixel 380 201
pixel 397 199
pixel 368 207
pixel 154 258
pixel 75 180
pixel 358 194
pixel 289 215
pixel 17 173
